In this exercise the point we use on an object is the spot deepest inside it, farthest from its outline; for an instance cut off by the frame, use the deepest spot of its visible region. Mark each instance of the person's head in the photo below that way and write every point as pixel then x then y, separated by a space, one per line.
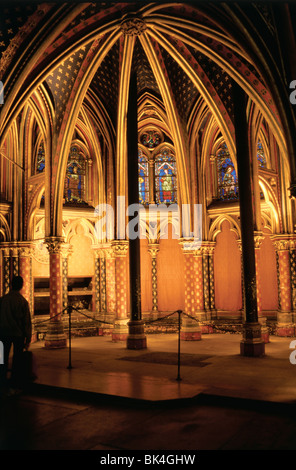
pixel 17 283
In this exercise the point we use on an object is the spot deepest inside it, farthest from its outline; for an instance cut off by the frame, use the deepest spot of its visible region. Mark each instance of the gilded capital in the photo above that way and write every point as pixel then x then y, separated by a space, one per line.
pixel 54 244
pixel 281 242
pixel 153 249
pixel 120 248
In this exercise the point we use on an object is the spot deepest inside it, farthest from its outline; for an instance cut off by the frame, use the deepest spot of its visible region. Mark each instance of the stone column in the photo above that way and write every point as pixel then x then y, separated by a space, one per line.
pixel 25 271
pixel 258 239
pixel 153 249
pixel 66 252
pixel 293 277
pixel 55 336
pixel 97 297
pixel 251 344
pixel 110 285
pixel 136 338
pixel 105 287
pixel 15 260
pixel 285 326
pixel 120 330
pixel 6 269
pixel 191 330
pixel 207 252
pixel 198 285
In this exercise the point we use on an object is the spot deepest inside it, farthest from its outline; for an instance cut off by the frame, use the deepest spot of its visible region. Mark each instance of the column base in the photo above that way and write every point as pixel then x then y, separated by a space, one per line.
pixel 206 329
pixel 120 330
pixel 285 326
pixel 264 329
pixel 136 338
pixel 252 344
pixel 190 330
pixel 285 330
pixel 55 337
pixel 252 349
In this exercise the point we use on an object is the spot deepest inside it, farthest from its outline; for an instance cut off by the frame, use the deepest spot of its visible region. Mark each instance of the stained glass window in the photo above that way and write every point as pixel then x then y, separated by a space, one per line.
pixel 75 177
pixel 165 178
pixel 150 139
pixel 143 170
pixel 227 179
pixel 260 155
pixel 40 158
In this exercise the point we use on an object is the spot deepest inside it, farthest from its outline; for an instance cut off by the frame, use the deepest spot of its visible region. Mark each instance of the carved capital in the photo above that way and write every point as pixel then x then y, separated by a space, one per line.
pixel 25 250
pixel 258 239
pixel 54 244
pixel 208 248
pixel 120 248
pixel 281 242
pixel 153 249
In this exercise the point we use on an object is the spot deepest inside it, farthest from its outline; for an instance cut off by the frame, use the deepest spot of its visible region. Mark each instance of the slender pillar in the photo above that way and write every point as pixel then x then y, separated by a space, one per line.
pixel 120 330
pixel 258 239
pixel 208 285
pixel 6 269
pixel 136 338
pixel 66 251
pixel 55 337
pixel 25 271
pixel 293 276
pixel 153 249
pixel 285 326
pixel 15 261
pixel 251 344
pixel 97 298
pixel 110 284
pixel 198 285
pixel 191 330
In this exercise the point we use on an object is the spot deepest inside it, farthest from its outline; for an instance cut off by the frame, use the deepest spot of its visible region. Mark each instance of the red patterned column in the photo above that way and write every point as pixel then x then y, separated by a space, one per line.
pixel 258 239
pixel 191 330
pixel 25 271
pixel 153 249
pixel 293 276
pixel 285 326
pixel 120 330
pixel 110 283
pixel 55 336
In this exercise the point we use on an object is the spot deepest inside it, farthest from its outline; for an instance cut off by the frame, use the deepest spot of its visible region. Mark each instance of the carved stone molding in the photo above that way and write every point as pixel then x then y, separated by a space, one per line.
pixel 133 26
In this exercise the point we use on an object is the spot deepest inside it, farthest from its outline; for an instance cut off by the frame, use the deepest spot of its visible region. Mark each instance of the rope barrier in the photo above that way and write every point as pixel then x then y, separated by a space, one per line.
pixel 147 322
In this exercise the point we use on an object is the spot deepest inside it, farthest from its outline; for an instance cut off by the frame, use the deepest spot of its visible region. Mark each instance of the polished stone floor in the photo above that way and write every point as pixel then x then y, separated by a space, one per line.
pixel 111 398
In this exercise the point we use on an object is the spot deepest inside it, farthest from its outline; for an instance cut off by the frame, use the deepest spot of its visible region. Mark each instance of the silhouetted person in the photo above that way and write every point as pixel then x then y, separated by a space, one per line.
pixel 15 329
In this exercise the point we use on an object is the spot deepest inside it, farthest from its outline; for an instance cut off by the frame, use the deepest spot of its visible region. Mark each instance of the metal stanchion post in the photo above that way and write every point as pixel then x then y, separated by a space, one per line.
pixel 179 343
pixel 69 312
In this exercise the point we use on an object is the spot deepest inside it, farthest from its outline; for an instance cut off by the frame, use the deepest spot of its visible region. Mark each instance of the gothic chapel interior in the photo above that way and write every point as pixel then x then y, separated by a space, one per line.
pixel 170 105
